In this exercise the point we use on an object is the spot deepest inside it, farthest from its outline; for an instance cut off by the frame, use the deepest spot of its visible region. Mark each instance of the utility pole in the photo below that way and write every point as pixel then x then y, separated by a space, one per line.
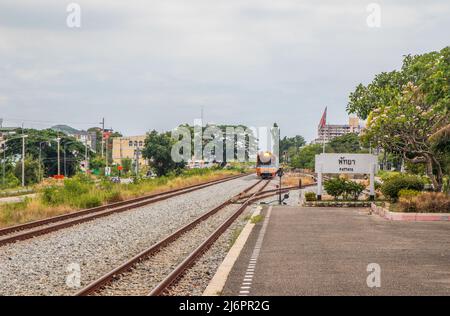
pixel 59 160
pixel 41 176
pixel 86 158
pixel 23 159
pixel 103 134
pixel 4 161
pixel 65 168
pixel 137 161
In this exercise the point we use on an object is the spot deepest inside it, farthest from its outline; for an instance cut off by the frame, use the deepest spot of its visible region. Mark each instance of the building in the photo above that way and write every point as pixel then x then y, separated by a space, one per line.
pixel 327 132
pixel 80 135
pixel 126 148
pixel 6 132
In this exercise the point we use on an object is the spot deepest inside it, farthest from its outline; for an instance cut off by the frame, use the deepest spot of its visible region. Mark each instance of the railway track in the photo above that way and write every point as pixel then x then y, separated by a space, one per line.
pixel 33 229
pixel 152 264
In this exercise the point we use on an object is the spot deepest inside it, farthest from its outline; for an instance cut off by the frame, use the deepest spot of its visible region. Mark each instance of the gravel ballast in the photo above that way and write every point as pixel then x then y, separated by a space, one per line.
pixel 44 265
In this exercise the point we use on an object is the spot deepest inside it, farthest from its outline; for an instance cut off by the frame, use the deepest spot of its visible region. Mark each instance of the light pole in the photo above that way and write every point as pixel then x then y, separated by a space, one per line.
pixel 23 159
pixel 4 161
pixel 41 175
pixel 58 140
pixel 65 168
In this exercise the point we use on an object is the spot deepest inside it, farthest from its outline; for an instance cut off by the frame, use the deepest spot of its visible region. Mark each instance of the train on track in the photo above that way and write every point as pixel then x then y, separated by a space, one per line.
pixel 266 165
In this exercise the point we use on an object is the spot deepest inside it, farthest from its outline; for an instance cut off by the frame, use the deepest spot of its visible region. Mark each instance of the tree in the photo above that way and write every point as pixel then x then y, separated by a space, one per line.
pixel 306 157
pixel 32 175
pixel 348 143
pixel 157 149
pixel 127 164
pixel 291 145
pixel 97 163
pixel 405 108
pixel 44 142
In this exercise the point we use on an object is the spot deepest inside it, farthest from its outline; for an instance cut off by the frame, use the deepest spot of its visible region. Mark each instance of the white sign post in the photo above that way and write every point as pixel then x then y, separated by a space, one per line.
pixel 346 163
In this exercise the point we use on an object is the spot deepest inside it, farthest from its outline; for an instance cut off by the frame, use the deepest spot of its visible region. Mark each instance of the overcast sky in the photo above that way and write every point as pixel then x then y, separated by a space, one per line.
pixel 152 64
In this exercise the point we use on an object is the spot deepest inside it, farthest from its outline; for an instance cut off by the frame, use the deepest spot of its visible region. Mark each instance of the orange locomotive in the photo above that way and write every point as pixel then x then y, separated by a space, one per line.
pixel 266 165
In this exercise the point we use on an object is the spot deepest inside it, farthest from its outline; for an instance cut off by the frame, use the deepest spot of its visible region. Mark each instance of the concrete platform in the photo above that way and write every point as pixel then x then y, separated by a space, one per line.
pixel 326 251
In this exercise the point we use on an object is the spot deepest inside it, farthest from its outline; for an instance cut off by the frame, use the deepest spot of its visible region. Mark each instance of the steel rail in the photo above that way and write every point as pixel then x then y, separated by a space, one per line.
pixel 128 265
pixel 165 284
pixel 23 231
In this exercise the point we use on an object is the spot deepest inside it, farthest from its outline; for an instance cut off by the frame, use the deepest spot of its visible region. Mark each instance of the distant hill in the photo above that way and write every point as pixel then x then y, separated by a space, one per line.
pixel 67 130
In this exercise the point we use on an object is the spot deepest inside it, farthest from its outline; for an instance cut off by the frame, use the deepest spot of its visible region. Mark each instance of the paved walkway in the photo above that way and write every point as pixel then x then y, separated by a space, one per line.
pixel 326 251
pixel 16 199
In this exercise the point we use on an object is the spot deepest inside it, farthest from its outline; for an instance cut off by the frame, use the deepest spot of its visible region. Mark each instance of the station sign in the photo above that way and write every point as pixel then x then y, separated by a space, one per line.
pixel 346 163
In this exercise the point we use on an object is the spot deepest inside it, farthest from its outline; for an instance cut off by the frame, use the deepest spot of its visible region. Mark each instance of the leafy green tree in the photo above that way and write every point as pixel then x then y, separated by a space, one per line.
pixel 42 144
pixel 32 175
pixel 127 164
pixel 405 108
pixel 348 143
pixel 158 147
pixel 291 145
pixel 248 145
pixel 306 157
pixel 97 163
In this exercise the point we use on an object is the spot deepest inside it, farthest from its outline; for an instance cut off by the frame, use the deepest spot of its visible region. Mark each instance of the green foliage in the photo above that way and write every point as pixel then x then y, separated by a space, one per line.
pixel 158 147
pixel 11 181
pixel 44 142
pixel 31 171
pixel 310 196
pixel 97 163
pixel 386 175
pixel 348 143
pixel 256 219
pixel 407 193
pixel 354 189
pixel 404 108
pixel 127 164
pixel 306 157
pixel 77 192
pixel 291 145
pixel 53 195
pixel 392 186
pixel 337 187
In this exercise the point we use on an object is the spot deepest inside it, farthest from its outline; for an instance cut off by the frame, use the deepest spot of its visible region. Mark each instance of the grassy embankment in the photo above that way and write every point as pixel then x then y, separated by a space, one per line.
pixel 83 192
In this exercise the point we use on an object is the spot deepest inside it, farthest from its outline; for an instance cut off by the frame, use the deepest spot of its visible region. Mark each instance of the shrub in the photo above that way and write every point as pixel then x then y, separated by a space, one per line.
pixel 310 196
pixel 114 196
pixel 427 202
pixel 354 189
pixel 335 187
pixel 407 193
pixel 393 185
pixel 342 187
pixel 86 201
pixel 75 187
pixel 53 195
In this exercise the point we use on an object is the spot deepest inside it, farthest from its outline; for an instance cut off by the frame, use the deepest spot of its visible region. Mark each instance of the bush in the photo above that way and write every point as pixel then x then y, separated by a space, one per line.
pixel 11 181
pixel 407 193
pixel 427 202
pixel 310 196
pixel 86 201
pixel 342 187
pixel 75 187
pixel 53 195
pixel 354 189
pixel 335 187
pixel 392 186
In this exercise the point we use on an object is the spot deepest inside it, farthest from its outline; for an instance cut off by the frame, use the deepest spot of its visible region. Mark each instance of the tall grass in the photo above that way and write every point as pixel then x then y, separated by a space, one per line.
pixel 83 192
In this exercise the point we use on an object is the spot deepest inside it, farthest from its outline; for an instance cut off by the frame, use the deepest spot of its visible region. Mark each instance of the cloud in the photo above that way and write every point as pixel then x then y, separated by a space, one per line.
pixel 153 64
